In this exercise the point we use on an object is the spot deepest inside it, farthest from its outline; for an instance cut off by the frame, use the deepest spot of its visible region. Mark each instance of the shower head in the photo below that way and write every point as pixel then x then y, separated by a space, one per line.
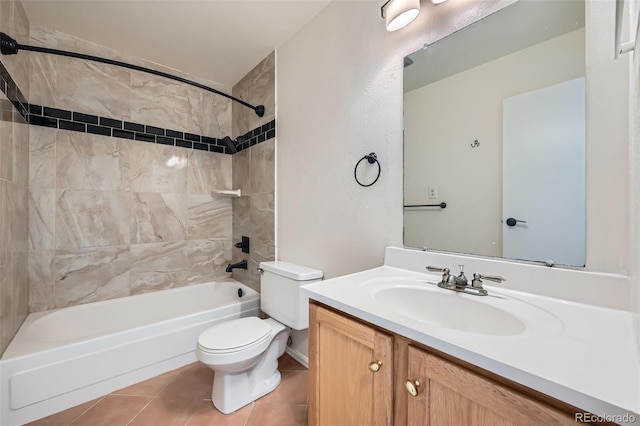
pixel 230 144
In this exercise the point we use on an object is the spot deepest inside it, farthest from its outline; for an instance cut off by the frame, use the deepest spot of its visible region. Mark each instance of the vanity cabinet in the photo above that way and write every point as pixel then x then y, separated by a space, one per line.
pixel 362 375
pixel 350 373
pixel 443 393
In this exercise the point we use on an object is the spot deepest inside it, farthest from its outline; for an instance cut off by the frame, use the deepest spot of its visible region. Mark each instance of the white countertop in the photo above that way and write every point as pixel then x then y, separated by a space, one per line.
pixel 589 359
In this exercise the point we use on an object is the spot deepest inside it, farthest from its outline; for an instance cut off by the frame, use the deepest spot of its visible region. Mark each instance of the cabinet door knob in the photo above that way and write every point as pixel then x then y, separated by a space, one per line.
pixel 412 387
pixel 375 366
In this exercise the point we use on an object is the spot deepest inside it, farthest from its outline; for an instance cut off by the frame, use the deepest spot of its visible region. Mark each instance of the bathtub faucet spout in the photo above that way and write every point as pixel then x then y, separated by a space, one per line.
pixel 239 265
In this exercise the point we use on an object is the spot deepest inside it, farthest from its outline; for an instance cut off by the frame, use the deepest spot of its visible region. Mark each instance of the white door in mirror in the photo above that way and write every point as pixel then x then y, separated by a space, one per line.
pixel 544 174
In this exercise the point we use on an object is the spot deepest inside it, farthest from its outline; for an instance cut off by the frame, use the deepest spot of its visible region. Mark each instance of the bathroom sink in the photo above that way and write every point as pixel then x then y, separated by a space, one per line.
pixel 496 314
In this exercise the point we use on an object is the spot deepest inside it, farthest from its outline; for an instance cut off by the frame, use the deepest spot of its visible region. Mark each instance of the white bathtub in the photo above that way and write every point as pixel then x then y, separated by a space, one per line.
pixel 63 357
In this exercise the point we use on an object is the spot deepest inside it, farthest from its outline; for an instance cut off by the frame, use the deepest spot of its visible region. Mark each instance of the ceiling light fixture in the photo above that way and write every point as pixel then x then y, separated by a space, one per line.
pixel 400 13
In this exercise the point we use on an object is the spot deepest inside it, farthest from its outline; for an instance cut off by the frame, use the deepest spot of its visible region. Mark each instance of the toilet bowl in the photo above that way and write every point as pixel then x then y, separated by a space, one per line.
pixel 244 355
pixel 244 352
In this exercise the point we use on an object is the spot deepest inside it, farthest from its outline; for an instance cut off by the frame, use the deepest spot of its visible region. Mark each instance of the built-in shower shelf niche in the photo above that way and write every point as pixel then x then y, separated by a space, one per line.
pixel 231 193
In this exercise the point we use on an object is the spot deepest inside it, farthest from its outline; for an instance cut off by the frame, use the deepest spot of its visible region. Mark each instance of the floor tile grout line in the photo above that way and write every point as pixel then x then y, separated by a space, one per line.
pixel 253 407
pixel 117 392
pixel 194 413
pixel 172 380
pixel 85 411
pixel 175 376
pixel 141 410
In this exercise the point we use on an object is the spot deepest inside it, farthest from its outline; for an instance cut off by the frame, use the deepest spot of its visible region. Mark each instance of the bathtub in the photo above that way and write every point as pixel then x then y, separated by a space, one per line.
pixel 64 357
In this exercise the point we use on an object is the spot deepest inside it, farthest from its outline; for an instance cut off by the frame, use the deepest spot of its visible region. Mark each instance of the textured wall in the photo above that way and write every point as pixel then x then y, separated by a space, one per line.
pixel 339 92
pixel 113 217
pixel 354 106
pixel 253 173
pixel 14 166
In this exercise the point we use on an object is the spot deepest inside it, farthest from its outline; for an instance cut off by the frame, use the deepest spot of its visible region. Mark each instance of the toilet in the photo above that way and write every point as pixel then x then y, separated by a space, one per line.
pixel 244 352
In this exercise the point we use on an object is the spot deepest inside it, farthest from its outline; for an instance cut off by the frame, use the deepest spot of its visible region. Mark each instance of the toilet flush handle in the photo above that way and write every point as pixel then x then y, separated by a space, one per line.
pixel 260 270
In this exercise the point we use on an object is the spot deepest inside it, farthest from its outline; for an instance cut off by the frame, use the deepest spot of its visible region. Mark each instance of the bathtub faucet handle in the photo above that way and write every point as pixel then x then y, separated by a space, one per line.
pixel 243 244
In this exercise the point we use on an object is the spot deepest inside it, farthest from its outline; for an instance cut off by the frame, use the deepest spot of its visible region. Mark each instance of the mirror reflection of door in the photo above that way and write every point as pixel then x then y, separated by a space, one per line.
pixel 543 174
pixel 454 94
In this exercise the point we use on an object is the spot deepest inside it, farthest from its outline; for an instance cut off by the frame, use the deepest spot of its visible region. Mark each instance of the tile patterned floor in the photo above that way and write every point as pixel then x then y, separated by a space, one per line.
pixel 183 398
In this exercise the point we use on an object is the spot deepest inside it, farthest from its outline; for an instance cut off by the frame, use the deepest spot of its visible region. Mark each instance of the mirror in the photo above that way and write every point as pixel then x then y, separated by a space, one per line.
pixel 494 128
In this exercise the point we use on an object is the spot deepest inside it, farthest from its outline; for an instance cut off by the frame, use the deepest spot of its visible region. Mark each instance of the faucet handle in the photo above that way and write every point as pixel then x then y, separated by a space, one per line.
pixel 461 279
pixel 461 274
pixel 477 279
pixel 437 269
pixel 445 272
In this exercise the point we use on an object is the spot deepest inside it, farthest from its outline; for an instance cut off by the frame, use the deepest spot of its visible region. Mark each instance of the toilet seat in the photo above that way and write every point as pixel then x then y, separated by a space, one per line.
pixel 234 336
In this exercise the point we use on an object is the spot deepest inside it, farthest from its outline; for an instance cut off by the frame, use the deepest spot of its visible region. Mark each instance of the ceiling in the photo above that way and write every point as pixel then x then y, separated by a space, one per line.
pixel 214 39
pixel 516 27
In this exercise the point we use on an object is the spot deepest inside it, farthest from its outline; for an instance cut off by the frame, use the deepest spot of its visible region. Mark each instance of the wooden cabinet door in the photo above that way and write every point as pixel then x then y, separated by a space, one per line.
pixel 343 388
pixel 448 394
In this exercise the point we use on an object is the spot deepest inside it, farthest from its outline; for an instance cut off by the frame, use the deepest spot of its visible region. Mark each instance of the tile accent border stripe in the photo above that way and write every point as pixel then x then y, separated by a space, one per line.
pixel 86 123
pixel 56 118
pixel 13 93
pixel 259 134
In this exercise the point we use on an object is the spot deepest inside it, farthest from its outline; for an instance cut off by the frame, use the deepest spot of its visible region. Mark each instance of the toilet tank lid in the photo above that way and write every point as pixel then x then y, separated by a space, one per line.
pixel 290 270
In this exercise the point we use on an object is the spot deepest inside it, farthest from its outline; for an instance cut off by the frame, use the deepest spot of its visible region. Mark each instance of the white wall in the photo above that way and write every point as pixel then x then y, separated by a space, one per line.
pixel 339 96
pixel 438 152
pixel 634 190
pixel 607 144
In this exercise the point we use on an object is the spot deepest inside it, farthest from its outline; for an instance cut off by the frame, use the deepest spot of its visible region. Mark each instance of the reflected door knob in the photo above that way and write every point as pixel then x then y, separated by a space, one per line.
pixel 512 221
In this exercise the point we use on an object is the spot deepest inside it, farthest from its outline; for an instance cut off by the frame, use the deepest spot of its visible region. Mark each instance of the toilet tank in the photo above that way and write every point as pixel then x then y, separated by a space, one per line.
pixel 280 294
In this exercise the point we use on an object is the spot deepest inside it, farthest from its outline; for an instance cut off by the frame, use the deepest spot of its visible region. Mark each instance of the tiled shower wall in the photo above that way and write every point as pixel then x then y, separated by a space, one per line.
pixel 253 173
pixel 113 217
pixel 123 94
pixel 14 165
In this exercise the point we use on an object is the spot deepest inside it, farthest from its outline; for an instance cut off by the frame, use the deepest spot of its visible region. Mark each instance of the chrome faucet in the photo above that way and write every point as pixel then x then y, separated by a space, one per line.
pixel 448 280
pixel 460 283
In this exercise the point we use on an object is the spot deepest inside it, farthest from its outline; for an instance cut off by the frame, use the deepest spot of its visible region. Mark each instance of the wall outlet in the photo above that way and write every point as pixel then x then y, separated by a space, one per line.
pixel 433 192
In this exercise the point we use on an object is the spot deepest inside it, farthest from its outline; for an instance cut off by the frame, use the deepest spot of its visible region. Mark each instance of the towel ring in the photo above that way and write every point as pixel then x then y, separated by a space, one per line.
pixel 371 158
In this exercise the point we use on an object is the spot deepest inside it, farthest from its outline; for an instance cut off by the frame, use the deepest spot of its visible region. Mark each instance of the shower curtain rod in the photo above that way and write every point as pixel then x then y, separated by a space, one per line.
pixel 9 46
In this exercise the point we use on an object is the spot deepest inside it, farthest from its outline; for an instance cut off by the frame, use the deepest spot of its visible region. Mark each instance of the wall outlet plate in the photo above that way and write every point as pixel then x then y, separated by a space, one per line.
pixel 433 192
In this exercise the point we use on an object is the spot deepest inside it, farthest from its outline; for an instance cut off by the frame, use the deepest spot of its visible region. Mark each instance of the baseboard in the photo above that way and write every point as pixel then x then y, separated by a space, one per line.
pixel 298 356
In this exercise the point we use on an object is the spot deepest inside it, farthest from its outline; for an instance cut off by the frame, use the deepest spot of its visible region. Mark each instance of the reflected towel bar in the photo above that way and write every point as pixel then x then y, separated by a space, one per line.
pixel 441 205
